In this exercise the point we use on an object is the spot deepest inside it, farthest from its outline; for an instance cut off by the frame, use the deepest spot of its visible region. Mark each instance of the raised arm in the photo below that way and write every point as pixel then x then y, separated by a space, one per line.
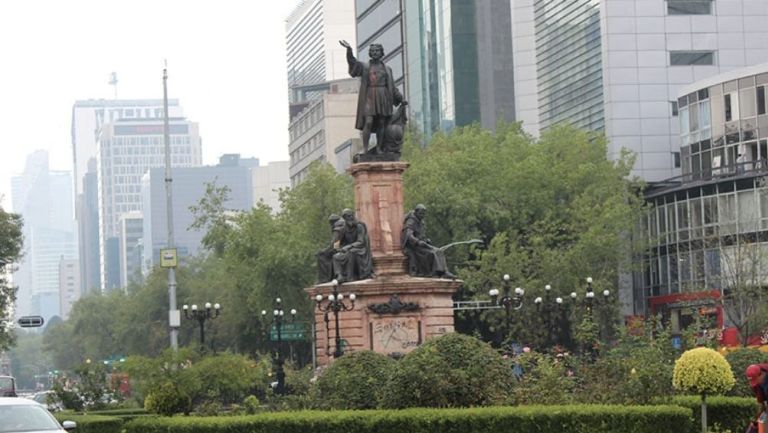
pixel 355 67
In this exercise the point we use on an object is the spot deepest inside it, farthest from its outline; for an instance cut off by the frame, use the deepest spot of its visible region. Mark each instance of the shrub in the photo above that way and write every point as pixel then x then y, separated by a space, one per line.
pixel 739 360
pixel 449 371
pixel 730 413
pixel 92 423
pixel 545 380
pixel 251 404
pixel 354 381
pixel 702 371
pixel 529 419
pixel 168 400
pixel 228 378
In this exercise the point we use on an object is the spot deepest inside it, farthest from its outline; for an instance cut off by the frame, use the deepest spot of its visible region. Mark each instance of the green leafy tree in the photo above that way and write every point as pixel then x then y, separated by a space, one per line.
pixel 552 210
pixel 10 251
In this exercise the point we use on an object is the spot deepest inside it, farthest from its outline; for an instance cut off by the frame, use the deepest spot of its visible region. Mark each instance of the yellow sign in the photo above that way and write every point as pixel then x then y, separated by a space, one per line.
pixel 168 258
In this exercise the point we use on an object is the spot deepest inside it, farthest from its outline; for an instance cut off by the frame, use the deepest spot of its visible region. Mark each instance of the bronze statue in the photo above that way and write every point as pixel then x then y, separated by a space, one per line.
pixel 353 260
pixel 376 98
pixel 424 259
pixel 325 256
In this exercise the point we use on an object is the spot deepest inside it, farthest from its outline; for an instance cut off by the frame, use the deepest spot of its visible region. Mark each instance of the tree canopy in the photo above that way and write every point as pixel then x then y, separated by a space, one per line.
pixel 10 251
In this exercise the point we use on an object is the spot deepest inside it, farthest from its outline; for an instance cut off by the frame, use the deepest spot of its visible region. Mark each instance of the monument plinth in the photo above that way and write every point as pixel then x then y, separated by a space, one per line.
pixel 393 312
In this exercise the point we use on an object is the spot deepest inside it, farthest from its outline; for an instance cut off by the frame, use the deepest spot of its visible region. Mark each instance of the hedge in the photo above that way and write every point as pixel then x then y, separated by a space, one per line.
pixel 730 413
pixel 92 423
pixel 528 419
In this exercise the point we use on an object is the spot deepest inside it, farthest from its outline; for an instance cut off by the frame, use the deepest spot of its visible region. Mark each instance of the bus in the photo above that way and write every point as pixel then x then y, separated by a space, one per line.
pixel 7 386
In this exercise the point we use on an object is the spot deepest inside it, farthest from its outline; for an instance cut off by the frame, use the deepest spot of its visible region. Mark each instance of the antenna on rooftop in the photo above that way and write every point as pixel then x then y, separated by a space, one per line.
pixel 113 82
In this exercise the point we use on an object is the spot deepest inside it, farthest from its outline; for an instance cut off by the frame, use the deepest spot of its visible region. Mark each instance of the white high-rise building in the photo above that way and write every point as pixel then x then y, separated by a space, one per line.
pixel 314 55
pixel 617 66
pixel 88 118
pixel 127 149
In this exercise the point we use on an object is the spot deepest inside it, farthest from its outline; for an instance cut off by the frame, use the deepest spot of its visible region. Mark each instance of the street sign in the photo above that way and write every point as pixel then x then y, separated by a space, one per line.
pixel 31 321
pixel 289 332
pixel 168 258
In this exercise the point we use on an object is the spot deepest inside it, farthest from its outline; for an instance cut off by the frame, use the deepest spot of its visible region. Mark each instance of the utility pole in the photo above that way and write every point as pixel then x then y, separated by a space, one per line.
pixel 174 315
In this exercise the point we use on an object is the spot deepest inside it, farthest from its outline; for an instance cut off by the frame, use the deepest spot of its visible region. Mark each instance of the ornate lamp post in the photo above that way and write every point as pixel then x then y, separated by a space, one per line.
pixel 545 304
pixel 507 301
pixel 590 296
pixel 335 303
pixel 201 316
pixel 278 318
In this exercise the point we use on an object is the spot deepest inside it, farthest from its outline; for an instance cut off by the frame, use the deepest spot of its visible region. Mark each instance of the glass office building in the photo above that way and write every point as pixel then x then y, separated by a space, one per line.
pixel 569 63
pixel 708 228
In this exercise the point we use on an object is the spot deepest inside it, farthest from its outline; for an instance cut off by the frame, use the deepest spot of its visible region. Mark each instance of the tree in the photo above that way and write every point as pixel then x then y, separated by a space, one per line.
pixel 705 372
pixel 552 210
pixel 10 251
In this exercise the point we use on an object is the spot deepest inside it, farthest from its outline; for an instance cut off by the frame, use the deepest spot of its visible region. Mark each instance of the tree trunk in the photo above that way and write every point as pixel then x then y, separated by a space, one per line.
pixel 703 413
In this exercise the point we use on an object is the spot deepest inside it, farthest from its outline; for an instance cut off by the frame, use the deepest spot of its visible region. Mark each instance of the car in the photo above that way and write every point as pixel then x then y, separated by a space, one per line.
pixel 7 386
pixel 47 399
pixel 23 415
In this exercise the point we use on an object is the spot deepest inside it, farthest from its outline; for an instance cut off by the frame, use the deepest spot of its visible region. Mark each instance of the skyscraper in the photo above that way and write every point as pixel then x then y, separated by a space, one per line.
pixel 127 149
pixel 43 198
pixel 88 118
pixel 313 52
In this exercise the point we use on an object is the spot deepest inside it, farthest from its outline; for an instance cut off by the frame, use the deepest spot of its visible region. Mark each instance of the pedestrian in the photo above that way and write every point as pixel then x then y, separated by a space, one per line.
pixel 757 374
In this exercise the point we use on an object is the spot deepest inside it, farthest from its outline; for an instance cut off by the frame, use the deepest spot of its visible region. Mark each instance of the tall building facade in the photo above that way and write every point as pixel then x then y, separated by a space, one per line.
pixel 189 186
pixel 268 180
pixel 130 234
pixel 617 66
pixel 313 53
pixel 43 198
pixel 88 118
pixel 324 123
pixel 69 285
pixel 452 59
pixel 708 229
pixel 127 149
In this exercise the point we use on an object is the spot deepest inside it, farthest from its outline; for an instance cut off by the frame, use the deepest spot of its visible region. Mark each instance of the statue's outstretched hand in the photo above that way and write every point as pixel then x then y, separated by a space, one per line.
pixel 345 44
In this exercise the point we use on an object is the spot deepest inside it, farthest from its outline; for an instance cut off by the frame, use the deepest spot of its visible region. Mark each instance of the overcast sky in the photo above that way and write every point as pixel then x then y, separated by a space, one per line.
pixel 226 65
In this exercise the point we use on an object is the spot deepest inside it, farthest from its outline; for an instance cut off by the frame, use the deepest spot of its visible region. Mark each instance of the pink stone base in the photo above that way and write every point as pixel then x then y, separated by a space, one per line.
pixel 390 334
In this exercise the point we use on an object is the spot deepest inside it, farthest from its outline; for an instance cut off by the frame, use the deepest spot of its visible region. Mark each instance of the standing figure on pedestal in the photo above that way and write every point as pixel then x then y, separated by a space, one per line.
pixel 325 256
pixel 424 259
pixel 376 98
pixel 352 260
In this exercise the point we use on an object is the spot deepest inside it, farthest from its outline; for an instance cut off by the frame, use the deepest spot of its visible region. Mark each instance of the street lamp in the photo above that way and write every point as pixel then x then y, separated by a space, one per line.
pixel 278 317
pixel 590 296
pixel 545 304
pixel 335 303
pixel 507 302
pixel 201 316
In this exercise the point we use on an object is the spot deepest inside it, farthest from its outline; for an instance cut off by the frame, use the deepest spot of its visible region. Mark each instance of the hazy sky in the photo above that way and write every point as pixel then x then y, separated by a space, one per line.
pixel 226 65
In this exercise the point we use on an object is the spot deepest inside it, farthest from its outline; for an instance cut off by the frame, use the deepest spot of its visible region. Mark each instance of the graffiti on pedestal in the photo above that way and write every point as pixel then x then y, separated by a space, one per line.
pixel 395 336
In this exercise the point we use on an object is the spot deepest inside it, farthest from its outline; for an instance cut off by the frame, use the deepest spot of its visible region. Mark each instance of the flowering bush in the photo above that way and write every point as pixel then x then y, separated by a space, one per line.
pixel 702 371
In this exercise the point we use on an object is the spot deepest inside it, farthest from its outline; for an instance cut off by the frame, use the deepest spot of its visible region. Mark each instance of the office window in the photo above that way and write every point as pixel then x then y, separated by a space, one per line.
pixel 674 108
pixel 687 58
pixel 676 158
pixel 689 7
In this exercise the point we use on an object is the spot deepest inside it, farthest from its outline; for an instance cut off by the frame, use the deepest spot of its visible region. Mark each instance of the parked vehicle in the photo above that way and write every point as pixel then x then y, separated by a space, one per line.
pixel 21 415
pixel 7 386
pixel 47 399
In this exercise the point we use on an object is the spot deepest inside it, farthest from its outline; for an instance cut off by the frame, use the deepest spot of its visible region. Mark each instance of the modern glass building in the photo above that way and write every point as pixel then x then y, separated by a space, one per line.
pixel 708 228
pixel 618 65
pixel 451 58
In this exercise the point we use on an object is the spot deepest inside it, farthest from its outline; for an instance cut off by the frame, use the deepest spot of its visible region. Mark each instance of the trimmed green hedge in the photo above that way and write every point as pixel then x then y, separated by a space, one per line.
pixel 92 423
pixel 731 413
pixel 529 419
pixel 120 412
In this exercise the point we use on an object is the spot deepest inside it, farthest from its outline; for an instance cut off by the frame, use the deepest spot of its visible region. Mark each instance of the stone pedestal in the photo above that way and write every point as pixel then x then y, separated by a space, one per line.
pixel 394 312
pixel 390 332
